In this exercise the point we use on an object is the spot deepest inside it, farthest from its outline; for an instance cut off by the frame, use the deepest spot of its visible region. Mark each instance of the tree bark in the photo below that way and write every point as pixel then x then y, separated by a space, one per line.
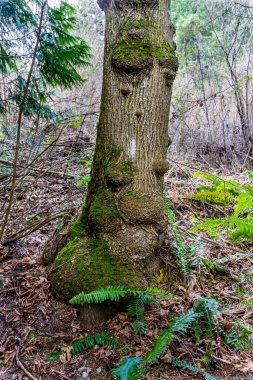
pixel 116 238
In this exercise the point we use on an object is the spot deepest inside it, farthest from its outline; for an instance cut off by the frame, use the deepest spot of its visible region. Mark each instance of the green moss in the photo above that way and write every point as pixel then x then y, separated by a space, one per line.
pixel 120 173
pixel 128 48
pixel 86 265
pixel 77 229
pixel 103 213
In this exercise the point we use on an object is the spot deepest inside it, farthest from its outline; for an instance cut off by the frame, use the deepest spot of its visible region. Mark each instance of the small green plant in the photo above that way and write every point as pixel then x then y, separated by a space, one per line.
pixel 208 308
pixel 127 368
pixel 135 309
pixel 88 342
pixel 240 338
pixel 109 293
pixel 189 367
pixel 136 303
pixel 134 368
pixel 189 256
pixel 239 225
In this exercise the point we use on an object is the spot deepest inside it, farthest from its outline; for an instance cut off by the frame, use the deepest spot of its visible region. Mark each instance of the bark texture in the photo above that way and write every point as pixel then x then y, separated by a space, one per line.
pixel 119 231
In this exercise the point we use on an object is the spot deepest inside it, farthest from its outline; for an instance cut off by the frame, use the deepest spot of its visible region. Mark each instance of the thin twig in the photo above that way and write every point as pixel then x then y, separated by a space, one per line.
pixel 20 365
pixel 34 227
pixel 210 241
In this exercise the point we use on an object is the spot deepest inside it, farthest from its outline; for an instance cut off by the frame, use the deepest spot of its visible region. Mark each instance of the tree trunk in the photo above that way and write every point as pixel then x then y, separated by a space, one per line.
pixel 116 238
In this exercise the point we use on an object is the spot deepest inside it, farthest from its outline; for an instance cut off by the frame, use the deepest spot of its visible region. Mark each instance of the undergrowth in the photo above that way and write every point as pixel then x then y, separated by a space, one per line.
pixel 239 224
pixel 202 322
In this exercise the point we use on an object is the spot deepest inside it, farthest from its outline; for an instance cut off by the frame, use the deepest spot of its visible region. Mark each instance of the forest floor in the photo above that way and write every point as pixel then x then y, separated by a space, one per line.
pixel 34 325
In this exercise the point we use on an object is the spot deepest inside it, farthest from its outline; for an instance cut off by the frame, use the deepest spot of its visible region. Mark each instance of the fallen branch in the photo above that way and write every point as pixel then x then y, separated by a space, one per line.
pixel 210 241
pixel 7 163
pixel 34 227
pixel 21 366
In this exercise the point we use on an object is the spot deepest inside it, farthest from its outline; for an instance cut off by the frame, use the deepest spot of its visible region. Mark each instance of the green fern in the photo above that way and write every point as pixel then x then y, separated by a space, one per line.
pixel 135 309
pixel 208 307
pixel 244 204
pixel 213 196
pixel 180 326
pixel 219 184
pixel 92 340
pixel 189 367
pixel 238 228
pixel 240 338
pixel 127 368
pixel 115 292
pixel 135 306
pixel 239 225
pixel 109 293
pixel 88 342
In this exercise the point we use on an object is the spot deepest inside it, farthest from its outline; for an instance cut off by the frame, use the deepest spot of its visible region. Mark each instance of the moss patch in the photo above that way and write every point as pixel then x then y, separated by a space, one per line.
pixel 88 264
pixel 142 208
pixel 120 173
pixel 77 229
pixel 138 45
pixel 160 166
pixel 103 213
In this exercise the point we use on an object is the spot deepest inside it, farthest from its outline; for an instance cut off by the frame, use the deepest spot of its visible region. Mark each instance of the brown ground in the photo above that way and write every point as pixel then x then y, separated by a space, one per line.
pixel 34 324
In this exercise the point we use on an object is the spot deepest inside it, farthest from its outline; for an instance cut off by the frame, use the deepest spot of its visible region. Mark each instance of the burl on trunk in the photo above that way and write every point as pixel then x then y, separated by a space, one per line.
pixel 117 235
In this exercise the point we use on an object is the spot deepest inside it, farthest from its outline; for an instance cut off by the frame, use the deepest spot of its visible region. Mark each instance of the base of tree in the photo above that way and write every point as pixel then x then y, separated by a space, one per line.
pixel 89 263
pixel 94 317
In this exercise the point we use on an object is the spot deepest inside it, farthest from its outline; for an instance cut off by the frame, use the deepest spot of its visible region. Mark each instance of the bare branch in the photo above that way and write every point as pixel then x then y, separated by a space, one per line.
pixel 243 5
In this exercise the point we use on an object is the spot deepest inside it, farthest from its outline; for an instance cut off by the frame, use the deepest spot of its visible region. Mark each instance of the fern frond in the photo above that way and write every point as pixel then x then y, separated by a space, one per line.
pixel 56 356
pixel 209 307
pixel 109 293
pixel 239 228
pixel 92 340
pixel 243 229
pixel 204 176
pixel 181 252
pixel 213 196
pixel 244 204
pixel 127 368
pixel 135 305
pixel 158 294
pixel 211 225
pixel 227 186
pixel 189 367
pixel 135 309
pixel 180 325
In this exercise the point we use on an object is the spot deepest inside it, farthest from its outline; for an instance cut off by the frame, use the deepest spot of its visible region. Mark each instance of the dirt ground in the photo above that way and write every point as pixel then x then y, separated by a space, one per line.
pixel 34 325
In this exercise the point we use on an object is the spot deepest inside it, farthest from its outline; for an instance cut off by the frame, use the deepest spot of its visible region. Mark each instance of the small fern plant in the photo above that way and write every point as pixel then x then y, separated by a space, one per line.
pixel 81 345
pixel 136 303
pixel 189 256
pixel 239 224
pixel 134 368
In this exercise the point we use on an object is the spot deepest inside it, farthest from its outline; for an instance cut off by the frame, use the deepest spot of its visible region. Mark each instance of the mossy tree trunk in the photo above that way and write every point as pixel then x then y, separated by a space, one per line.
pixel 119 231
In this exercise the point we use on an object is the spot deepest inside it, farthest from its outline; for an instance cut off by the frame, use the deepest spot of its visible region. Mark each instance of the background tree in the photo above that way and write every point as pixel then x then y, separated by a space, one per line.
pixel 116 237
pixel 37 37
